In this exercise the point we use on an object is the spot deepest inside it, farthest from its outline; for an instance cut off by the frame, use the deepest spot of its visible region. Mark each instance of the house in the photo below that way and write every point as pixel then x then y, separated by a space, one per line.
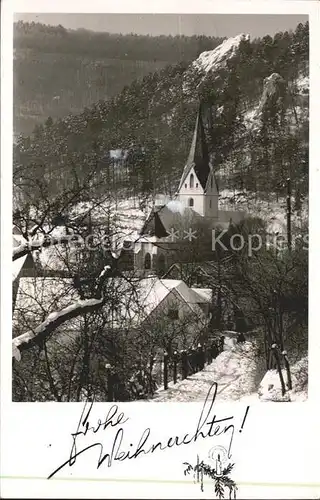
pixel 233 311
pixel 195 204
pixel 140 300
pixel 165 309
pixel 150 304
pixel 172 298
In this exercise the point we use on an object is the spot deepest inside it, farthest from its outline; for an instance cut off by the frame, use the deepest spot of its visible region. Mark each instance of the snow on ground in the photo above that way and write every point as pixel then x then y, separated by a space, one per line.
pixel 240 375
pixel 126 209
pixel 303 84
pixel 272 211
pixel 129 218
pixel 270 388
pixel 249 117
pixel 126 216
pixel 236 371
pixel 295 114
pixel 210 59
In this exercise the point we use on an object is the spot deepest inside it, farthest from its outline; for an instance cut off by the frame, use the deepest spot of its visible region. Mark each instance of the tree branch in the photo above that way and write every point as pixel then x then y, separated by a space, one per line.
pixel 52 322
pixel 55 319
pixel 31 246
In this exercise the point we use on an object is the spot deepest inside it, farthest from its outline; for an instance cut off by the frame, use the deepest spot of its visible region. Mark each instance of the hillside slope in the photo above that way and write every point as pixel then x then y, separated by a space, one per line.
pixel 59 71
pixel 256 125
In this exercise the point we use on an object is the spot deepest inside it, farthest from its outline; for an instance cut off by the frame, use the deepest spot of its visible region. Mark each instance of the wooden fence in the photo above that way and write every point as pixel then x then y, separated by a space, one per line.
pixel 168 368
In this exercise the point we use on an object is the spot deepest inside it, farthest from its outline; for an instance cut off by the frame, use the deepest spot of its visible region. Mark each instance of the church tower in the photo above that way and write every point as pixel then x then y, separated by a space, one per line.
pixel 198 188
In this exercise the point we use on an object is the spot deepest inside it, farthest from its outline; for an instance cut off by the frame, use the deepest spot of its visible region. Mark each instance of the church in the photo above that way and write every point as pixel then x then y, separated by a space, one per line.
pixel 195 204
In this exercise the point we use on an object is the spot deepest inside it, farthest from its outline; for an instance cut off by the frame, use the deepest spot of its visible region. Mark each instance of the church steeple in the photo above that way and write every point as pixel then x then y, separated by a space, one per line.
pixel 199 155
pixel 198 188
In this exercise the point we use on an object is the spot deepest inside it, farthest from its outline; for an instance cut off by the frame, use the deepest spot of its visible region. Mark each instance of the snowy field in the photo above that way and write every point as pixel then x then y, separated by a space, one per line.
pixel 128 218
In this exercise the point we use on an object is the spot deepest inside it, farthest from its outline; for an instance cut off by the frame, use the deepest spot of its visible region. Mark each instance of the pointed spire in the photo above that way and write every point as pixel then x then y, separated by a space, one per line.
pixel 199 155
pixel 199 149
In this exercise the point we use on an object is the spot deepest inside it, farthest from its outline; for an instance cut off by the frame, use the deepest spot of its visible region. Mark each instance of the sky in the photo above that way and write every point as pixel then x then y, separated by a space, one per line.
pixel 256 25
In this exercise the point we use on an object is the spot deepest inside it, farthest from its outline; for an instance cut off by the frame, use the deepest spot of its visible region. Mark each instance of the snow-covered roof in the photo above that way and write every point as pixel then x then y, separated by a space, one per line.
pixel 139 300
pixel 136 300
pixel 205 294
pixel 152 291
pixel 17 240
pixel 171 216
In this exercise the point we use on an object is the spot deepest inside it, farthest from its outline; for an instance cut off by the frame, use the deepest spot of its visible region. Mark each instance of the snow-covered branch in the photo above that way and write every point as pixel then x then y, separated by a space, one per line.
pixel 31 246
pixel 55 319
pixel 51 323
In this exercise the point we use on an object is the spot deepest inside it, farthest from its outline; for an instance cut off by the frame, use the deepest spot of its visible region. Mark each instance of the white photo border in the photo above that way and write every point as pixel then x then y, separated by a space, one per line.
pixel 33 436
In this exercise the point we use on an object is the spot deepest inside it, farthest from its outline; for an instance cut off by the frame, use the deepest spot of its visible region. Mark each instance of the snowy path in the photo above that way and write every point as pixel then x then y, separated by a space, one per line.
pixel 235 371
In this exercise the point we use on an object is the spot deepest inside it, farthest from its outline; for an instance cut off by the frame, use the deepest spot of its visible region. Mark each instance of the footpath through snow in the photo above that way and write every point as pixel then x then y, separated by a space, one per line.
pixel 241 376
pixel 237 372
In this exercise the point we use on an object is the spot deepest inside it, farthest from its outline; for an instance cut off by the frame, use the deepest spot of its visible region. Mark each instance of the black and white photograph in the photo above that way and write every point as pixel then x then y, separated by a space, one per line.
pixel 160 207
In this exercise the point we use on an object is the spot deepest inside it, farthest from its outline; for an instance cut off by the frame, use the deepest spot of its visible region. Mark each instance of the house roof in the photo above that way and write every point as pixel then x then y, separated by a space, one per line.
pixel 136 306
pixel 152 292
pixel 205 294
pixel 38 297
pixel 192 268
pixel 154 225
pixel 17 240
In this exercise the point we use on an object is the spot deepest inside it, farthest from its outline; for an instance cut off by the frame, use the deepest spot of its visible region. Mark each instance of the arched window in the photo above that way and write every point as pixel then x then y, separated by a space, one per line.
pixel 197 185
pixel 147 261
pixel 190 202
pixel 191 180
pixel 210 203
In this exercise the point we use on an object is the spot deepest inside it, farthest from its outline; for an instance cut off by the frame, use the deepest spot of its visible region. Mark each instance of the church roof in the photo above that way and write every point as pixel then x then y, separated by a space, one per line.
pixel 154 225
pixel 171 216
pixel 199 155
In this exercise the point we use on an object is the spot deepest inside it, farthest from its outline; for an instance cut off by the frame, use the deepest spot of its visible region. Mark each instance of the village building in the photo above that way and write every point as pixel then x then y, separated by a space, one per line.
pixel 148 303
pixel 165 298
pixel 163 243
pixel 173 222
